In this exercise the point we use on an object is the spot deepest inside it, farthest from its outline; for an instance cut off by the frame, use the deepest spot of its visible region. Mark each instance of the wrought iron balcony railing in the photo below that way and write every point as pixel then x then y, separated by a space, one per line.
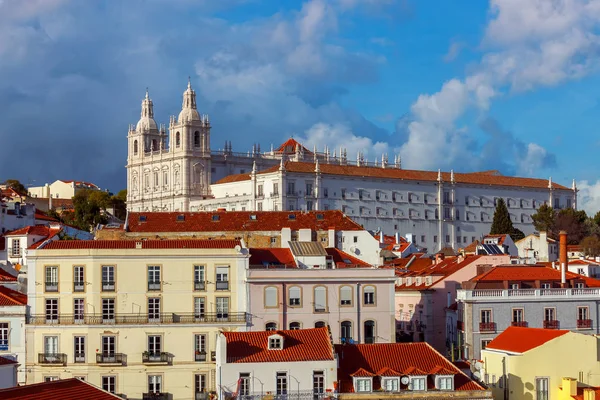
pixel 149 357
pixel 551 324
pixel 137 319
pixel 584 324
pixel 52 358
pixel 111 358
pixel 487 327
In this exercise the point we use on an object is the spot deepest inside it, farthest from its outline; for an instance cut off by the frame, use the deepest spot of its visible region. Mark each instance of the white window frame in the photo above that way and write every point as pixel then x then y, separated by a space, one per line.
pixel 421 382
pixel 4 338
pixel 538 395
pixel 275 342
pixel 368 382
pixel 441 382
pixel 395 384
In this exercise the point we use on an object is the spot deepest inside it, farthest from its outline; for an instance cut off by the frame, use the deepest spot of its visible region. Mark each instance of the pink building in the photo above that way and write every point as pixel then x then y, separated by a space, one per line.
pixel 309 286
pixel 425 289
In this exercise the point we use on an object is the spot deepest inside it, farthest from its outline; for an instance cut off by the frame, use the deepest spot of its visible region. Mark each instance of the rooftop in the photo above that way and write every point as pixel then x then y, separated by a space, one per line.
pixel 6 361
pixel 5 277
pixel 237 221
pixel 145 244
pixel 272 257
pixel 66 389
pixel 520 340
pixel 516 273
pixel 298 345
pixel 9 297
pixel 345 260
pixel 385 359
pixel 437 272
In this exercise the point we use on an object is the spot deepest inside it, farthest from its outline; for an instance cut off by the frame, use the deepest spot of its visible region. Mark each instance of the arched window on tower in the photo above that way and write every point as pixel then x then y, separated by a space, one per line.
pixel 135 147
pixel 196 139
pixel 177 139
pixel 154 145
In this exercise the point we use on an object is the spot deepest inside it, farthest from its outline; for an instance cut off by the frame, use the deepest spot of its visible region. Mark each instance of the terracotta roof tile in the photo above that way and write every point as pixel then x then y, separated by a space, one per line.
pixel 237 221
pixel 290 145
pixel 9 297
pixel 66 389
pixel 345 260
pixel 519 340
pixel 361 373
pixel 39 230
pixel 387 371
pixel 515 273
pixel 411 357
pixel 146 244
pixel 6 277
pixel 298 345
pixel 272 257
pixel 438 271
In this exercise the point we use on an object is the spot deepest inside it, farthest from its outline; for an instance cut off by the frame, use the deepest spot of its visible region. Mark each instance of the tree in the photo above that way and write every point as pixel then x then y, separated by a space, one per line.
pixel 517 234
pixel 119 204
pixel 590 246
pixel 16 186
pixel 596 218
pixel 89 205
pixel 573 222
pixel 501 223
pixel 543 219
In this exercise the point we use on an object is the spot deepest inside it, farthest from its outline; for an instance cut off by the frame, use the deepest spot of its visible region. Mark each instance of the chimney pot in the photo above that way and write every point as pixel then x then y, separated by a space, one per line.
pixel 563 256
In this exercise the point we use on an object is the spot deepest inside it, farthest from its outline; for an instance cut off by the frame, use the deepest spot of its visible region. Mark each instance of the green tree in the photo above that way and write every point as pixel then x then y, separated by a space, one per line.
pixel 501 223
pixel 16 186
pixel 596 218
pixel 543 219
pixel 590 246
pixel 517 234
pixel 574 222
pixel 119 204
pixel 89 205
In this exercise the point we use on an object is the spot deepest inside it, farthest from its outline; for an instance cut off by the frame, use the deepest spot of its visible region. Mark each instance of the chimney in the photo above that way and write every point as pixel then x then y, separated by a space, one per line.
pixel 564 261
pixel 438 258
pixel 569 386
pixel 589 394
pixel 381 237
pixel 397 238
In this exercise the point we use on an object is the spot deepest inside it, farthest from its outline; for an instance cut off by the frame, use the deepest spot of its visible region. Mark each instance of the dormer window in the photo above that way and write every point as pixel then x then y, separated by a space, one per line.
pixel 417 383
pixel 444 382
pixel 363 384
pixel 390 384
pixel 215 218
pixel 275 342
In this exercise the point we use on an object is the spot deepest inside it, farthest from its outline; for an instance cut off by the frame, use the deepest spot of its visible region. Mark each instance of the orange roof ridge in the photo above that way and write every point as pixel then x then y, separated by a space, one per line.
pixel 361 372
pixel 520 340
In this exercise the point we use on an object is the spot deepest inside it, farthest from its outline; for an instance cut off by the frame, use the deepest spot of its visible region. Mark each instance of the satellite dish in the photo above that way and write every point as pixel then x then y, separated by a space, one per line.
pixel 353 249
pixel 238 248
pixel 405 380
pixel 478 365
pixel 351 341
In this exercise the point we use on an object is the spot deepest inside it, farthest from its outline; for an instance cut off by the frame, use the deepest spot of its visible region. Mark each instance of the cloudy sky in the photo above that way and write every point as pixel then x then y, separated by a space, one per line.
pixel 512 85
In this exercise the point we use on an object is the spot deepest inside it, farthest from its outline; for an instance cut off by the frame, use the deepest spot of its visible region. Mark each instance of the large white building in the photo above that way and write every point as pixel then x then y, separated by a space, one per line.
pixel 178 171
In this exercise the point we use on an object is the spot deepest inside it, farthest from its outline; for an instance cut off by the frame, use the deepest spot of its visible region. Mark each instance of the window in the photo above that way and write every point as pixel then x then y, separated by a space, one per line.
pixel 196 139
pixel 343 193
pixel 282 383
pixel 541 389
pixel 514 286
pixel 51 311
pixel 318 382
pixel 271 326
pixel 484 343
pixel 320 324
pixel 390 384
pixel 422 238
pixel 259 206
pixel 294 326
pixel 153 309
pixel 16 248
pixel 325 192
pixel 154 383
pixel 78 310
pixel 199 307
pixel 309 189
pixel 517 315
pixel 165 178
pixel 155 179
pixel 78 278
pixel 486 316
pixel 369 295
pixel 50 378
pixel 417 384
pixel 108 310
pixel 79 349
pixel 222 307
pixel 109 383
pixel 582 313
pixel 346 296
pixel 271 300
pixel 4 329
pixel 275 188
pixel 549 314
pixel 154 346
pixel 200 347
pixel 108 278
pixel 275 342
pixel 435 239
pixel 199 277
pixel 457 214
pixel 153 277
pixel 50 347
pixel 200 383
pixel 346 331
pixel 51 284
pixel 309 205
pixel 445 383
pixel 546 286
pixel 579 285
pixel 177 139
pixel 135 147
pixel 109 346
pixel 447 238
pixel 291 188
pixel 244 384
pixel 295 296
pixel 222 278
pixel 320 299
pixel 363 384
pixel 369 332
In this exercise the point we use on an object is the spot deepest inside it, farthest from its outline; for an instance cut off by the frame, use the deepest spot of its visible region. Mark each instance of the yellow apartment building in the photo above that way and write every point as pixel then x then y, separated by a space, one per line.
pixel 530 363
pixel 137 318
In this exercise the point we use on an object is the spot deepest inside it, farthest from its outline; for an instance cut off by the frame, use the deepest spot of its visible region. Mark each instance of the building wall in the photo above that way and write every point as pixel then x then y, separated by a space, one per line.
pixel 382 312
pixel 15 317
pixel 566 356
pixel 538 248
pixel 8 376
pixel 131 300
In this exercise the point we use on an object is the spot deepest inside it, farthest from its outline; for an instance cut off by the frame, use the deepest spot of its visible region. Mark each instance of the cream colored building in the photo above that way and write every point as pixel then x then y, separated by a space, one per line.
pixel 60 189
pixel 134 317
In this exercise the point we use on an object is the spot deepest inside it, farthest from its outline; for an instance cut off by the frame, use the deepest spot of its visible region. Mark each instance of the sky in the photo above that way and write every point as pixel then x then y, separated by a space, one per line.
pixel 510 85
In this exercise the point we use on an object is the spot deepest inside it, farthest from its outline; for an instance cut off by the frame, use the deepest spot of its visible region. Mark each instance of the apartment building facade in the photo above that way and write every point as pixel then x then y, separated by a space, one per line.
pixel 139 318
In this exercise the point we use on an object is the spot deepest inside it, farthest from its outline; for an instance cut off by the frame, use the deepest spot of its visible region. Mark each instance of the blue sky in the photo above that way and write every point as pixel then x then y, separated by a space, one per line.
pixel 505 84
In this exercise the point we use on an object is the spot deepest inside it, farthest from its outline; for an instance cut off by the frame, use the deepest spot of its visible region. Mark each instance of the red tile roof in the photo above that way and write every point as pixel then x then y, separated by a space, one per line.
pixel 519 340
pixel 9 297
pixel 290 145
pixel 42 216
pixel 87 185
pixel 516 273
pixel 298 345
pixel 472 178
pixel 406 358
pixel 501 237
pixel 439 271
pixel 38 230
pixel 272 257
pixel 66 389
pixel 6 361
pixel 237 221
pixel 6 277
pixel 345 260
pixel 146 244
pixel 2 243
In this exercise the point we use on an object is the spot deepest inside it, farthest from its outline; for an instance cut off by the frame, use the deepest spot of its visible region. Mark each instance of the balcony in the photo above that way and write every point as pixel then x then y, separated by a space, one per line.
pixel 111 359
pixel 52 358
pixel 149 357
pixel 551 324
pixel 51 286
pixel 201 396
pixel 153 286
pixel 200 356
pixel 487 327
pixel 520 324
pixel 137 319
pixel 155 396
pixel 222 285
pixel 584 324
pixel 78 286
pixel 519 295
pixel 79 357
pixel 108 286
pixel 200 285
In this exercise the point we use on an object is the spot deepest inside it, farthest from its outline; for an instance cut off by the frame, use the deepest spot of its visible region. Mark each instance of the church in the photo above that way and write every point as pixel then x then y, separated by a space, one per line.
pixel 176 170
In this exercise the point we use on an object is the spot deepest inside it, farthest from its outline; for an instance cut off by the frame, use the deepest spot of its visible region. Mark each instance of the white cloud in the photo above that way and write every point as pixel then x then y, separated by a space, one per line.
pixel 588 197
pixel 453 51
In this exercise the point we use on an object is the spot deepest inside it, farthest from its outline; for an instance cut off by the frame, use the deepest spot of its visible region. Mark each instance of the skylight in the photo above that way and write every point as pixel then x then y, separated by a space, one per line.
pixel 253 217
pixel 181 217
pixel 215 217
pixel 319 216
pixel 292 216
pixel 142 218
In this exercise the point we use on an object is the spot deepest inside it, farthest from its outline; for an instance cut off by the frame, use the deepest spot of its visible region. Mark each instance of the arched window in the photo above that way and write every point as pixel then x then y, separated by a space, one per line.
pixel 135 147
pixel 154 145
pixel 177 139
pixel 196 139
pixel 295 296
pixel 345 331
pixel 294 326
pixel 369 331
pixel 369 295
pixel 320 324
pixel 320 299
pixel 271 297
pixel 346 296
pixel 271 326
